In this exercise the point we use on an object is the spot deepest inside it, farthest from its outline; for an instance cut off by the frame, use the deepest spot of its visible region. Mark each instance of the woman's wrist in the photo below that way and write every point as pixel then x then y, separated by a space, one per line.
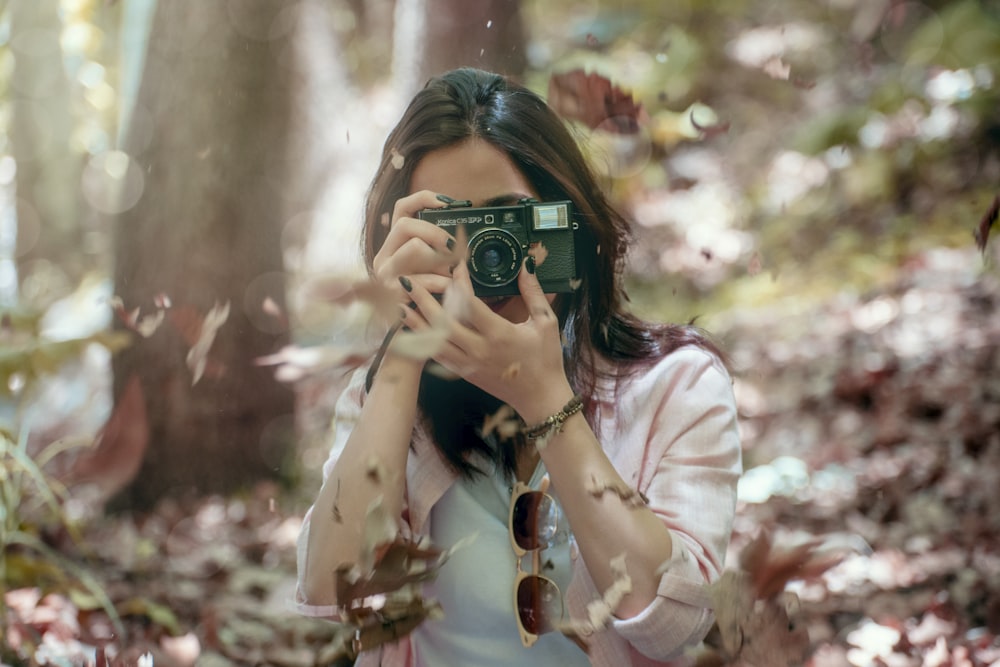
pixel 537 407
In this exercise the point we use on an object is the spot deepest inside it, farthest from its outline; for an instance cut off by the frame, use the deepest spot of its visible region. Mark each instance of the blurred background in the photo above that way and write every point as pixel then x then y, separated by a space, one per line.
pixel 181 186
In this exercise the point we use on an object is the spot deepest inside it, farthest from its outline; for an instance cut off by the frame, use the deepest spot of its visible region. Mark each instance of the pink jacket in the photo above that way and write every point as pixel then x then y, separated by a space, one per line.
pixel 672 433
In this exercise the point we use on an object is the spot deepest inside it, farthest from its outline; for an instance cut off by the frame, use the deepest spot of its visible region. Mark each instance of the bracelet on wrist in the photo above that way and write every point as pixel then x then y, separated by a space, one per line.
pixel 553 423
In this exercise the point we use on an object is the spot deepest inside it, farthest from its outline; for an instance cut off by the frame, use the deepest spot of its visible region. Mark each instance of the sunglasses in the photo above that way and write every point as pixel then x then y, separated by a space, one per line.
pixel 532 526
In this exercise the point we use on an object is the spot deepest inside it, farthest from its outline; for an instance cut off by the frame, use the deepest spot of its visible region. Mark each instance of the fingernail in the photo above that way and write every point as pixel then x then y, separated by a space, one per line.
pixel 412 305
pixel 445 198
pixel 530 264
pixel 405 282
pixel 402 313
pixel 450 243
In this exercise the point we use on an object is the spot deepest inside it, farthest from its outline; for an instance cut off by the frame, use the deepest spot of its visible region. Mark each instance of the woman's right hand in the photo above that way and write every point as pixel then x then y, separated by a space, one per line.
pixel 419 250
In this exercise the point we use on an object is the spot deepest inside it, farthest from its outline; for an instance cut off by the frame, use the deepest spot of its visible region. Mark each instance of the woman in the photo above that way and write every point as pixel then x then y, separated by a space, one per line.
pixel 630 427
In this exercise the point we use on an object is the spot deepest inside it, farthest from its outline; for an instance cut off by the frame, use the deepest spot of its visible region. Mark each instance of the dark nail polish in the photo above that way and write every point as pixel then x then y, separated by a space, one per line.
pixel 402 313
pixel 445 198
pixel 529 264
pixel 450 243
pixel 412 305
pixel 405 282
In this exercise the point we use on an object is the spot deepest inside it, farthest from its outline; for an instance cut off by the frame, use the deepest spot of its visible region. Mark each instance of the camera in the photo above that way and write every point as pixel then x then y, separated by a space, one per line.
pixel 499 237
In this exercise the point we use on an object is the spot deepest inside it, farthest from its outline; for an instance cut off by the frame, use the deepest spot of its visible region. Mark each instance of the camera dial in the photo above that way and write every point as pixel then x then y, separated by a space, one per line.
pixel 494 257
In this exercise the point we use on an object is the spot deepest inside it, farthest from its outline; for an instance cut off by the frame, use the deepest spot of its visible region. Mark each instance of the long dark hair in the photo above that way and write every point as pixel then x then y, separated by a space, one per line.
pixel 597 327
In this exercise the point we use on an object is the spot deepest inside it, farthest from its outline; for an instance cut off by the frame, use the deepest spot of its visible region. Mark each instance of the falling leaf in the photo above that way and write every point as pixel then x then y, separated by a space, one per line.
pixel 295 363
pixel 270 307
pixel 397 159
pixel 118 451
pixel 771 566
pixel 982 232
pixel 380 596
pixel 776 68
pixel 593 100
pixel 504 422
pixel 148 325
pixel 539 252
pixel 629 496
pixel 600 612
pixel 198 354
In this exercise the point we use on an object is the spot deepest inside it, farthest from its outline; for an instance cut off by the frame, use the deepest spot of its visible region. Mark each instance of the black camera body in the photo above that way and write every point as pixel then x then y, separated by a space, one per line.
pixel 499 237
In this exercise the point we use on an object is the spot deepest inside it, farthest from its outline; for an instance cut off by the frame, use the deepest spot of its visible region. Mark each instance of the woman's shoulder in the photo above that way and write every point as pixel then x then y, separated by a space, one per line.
pixel 686 366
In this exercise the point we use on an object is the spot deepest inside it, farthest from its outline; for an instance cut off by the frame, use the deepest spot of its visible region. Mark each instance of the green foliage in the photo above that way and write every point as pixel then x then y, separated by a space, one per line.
pixel 31 500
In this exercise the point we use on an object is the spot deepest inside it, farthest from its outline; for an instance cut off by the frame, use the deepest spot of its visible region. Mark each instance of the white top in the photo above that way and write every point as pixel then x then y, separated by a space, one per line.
pixel 475 587
pixel 671 432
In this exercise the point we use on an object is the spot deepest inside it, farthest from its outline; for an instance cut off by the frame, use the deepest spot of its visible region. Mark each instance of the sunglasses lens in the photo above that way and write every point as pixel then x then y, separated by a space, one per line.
pixel 534 521
pixel 538 602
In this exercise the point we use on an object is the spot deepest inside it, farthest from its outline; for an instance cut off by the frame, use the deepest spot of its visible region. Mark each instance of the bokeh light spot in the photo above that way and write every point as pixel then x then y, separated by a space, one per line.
pixel 112 182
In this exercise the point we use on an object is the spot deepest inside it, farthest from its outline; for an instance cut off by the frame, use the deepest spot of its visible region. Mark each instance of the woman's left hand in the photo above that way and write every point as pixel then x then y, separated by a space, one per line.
pixel 518 363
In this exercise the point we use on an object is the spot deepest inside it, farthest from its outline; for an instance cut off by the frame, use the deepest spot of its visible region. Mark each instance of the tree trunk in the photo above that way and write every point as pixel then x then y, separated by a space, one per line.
pixel 433 36
pixel 207 230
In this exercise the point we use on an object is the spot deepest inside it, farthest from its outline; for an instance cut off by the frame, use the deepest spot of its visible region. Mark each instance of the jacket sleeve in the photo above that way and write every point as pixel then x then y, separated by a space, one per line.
pixel 684 412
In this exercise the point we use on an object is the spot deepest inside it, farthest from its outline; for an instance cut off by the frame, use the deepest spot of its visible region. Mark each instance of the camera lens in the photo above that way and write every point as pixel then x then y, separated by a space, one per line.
pixel 494 257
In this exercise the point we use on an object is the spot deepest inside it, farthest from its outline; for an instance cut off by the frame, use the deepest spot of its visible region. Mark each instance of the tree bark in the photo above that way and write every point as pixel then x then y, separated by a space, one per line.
pixel 433 36
pixel 206 231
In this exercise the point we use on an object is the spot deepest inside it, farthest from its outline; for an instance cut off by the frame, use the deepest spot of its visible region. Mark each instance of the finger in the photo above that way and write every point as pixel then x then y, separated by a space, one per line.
pixel 460 298
pixel 410 205
pixel 531 291
pixel 413 257
pixel 406 229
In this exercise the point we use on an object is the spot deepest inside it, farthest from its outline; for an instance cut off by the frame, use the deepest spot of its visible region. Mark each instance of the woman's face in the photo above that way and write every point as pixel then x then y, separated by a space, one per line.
pixel 475 170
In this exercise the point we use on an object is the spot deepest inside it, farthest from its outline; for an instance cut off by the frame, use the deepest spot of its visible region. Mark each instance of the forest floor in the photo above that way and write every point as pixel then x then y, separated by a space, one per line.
pixel 871 424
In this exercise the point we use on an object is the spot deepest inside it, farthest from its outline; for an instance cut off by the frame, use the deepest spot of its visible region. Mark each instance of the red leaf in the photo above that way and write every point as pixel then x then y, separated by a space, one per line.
pixel 593 100
pixel 117 454
pixel 982 232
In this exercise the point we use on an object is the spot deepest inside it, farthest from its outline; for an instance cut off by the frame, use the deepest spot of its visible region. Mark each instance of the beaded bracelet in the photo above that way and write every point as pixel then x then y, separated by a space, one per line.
pixel 554 423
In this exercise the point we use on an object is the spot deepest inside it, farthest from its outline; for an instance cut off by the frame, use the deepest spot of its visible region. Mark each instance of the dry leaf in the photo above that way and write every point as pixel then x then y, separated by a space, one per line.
pixel 501 422
pixel 380 597
pixel 295 363
pixel 982 233
pixel 600 612
pixel 397 159
pixel 593 100
pixel 629 496
pixel 118 451
pixel 198 354
pixel 539 252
